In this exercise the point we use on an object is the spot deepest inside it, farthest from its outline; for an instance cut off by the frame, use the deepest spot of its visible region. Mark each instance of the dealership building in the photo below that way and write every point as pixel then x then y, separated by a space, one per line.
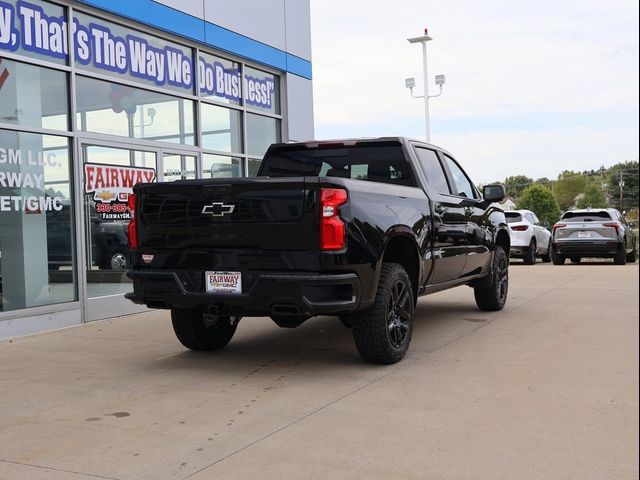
pixel 98 95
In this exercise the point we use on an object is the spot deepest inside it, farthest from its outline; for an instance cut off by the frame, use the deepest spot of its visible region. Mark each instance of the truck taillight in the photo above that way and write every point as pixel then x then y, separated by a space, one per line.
pixel 132 229
pixel 332 228
pixel 520 228
pixel 612 225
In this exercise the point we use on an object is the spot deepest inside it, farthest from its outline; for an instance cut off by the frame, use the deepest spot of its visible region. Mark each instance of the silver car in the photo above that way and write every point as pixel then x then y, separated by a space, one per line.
pixel 601 232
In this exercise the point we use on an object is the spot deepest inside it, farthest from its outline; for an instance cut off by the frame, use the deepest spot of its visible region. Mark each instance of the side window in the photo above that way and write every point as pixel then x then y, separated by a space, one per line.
pixel 463 185
pixel 536 220
pixel 433 170
pixel 530 218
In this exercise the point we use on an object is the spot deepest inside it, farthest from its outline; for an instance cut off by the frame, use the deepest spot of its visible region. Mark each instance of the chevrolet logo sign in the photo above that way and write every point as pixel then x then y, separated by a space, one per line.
pixel 217 209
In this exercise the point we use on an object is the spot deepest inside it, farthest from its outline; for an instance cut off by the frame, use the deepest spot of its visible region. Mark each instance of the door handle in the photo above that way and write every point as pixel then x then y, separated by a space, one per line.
pixel 439 209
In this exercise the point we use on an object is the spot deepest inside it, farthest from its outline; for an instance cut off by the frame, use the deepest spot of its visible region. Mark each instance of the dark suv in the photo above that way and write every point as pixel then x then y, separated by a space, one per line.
pixel 600 232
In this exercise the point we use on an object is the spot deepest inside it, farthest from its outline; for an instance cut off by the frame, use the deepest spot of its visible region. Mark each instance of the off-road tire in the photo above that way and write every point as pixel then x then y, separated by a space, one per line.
pixel 631 257
pixel 192 332
pixel 557 259
pixel 494 297
pixel 382 333
pixel 529 256
pixel 546 258
pixel 621 256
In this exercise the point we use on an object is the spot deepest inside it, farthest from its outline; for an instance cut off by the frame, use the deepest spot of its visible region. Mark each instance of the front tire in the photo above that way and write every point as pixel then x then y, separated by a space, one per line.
pixel 529 256
pixel 631 258
pixel 382 333
pixel 546 258
pixel 494 297
pixel 195 333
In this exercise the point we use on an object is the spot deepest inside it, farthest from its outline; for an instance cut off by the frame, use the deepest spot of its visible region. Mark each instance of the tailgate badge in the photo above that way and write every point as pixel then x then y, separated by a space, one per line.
pixel 146 258
pixel 217 209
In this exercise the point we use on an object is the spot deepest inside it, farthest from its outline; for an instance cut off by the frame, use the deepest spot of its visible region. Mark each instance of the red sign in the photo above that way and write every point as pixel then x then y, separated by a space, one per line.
pixel 111 186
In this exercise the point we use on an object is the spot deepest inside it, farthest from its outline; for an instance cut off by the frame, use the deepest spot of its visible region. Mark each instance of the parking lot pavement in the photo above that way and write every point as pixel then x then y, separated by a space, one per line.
pixel 546 389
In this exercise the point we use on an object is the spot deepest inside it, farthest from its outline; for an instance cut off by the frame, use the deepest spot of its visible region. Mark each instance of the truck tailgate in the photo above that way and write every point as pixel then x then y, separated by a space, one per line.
pixel 248 213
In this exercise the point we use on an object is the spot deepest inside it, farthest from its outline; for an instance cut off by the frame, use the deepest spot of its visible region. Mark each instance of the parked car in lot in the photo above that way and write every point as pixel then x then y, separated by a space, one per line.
pixel 353 228
pixel 601 232
pixel 529 239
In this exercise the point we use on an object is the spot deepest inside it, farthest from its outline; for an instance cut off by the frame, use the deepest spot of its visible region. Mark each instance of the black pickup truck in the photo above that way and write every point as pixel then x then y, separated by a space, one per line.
pixel 353 228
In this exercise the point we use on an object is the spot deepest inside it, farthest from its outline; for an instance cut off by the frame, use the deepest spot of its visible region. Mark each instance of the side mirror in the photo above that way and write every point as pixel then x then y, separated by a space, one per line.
pixel 632 225
pixel 546 225
pixel 493 193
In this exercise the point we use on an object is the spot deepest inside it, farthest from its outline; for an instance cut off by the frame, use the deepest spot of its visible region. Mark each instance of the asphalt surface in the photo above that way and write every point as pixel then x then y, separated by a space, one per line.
pixel 546 389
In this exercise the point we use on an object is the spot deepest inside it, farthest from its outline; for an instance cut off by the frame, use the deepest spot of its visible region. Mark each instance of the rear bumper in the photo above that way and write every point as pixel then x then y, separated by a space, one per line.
pixel 587 248
pixel 303 294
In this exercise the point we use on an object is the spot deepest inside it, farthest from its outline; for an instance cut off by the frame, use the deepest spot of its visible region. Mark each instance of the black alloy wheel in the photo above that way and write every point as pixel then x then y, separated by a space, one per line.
pixel 494 297
pixel 399 313
pixel 382 332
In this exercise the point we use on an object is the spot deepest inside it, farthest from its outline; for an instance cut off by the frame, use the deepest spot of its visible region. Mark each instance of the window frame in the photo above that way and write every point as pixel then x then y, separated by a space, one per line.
pixel 452 183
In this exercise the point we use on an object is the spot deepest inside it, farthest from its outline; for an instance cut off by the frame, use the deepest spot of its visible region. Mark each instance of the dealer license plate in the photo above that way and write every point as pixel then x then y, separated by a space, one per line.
pixel 224 282
pixel 584 234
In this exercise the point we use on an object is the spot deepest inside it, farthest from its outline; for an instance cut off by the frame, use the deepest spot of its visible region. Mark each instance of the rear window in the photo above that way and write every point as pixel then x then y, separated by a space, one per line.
pixel 384 163
pixel 513 217
pixel 586 216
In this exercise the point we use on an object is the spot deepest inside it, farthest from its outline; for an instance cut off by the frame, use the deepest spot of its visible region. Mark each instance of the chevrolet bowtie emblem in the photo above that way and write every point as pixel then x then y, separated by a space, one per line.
pixel 217 209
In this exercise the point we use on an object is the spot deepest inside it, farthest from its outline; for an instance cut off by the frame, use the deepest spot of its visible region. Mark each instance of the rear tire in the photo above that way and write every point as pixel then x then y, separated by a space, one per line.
pixel 631 258
pixel 529 256
pixel 192 331
pixel 621 256
pixel 557 259
pixel 494 297
pixel 382 333
pixel 546 258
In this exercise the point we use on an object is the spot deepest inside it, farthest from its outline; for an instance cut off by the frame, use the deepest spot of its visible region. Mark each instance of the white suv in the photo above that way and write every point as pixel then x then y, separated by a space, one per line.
pixel 528 238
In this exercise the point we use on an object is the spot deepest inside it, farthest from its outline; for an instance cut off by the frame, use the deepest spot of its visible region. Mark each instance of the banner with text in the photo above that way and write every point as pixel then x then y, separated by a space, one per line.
pixel 27 26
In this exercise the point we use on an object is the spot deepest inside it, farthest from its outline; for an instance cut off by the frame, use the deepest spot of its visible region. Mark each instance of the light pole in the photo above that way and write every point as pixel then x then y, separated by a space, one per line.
pixel 410 82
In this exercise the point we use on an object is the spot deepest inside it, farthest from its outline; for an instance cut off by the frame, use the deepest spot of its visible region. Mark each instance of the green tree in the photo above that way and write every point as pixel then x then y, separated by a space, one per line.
pixel 540 201
pixel 568 187
pixel 594 197
pixel 629 171
pixel 514 185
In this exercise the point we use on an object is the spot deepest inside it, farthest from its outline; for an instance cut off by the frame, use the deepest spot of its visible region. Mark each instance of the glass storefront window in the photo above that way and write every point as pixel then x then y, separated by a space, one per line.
pixel 109 177
pixel 34 29
pixel 111 49
pixel 219 166
pixel 32 96
pixel 261 132
pixel 178 167
pixel 221 128
pixel 220 79
pixel 114 109
pixel 261 90
pixel 36 221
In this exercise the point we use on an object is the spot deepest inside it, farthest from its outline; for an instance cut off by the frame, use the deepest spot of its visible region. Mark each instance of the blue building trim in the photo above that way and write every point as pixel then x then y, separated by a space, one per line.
pixel 185 25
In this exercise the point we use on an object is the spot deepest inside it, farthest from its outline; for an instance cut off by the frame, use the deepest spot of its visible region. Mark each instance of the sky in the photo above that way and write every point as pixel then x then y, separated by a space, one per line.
pixel 533 88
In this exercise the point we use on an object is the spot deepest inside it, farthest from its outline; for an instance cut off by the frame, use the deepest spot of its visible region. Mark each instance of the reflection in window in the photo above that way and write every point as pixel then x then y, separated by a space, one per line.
pixel 32 96
pixel 36 221
pixel 220 166
pixel 261 132
pixel 114 109
pixel 221 128
pixel 178 167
